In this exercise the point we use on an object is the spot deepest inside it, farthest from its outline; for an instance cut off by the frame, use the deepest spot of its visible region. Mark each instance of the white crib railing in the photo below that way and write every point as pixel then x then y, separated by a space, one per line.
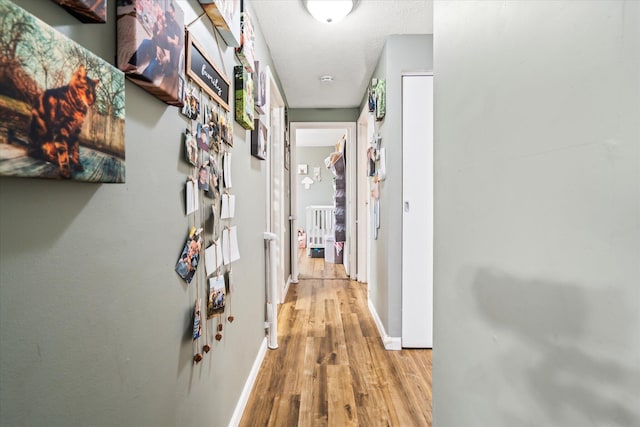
pixel 319 224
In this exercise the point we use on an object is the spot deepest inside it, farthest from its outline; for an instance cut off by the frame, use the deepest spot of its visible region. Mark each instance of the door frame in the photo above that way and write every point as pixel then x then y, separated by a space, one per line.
pixel 350 248
pixel 276 203
pixel 363 213
pixel 418 211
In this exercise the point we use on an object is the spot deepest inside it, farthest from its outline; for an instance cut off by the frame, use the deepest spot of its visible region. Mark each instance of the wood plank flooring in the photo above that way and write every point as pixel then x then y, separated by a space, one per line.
pixel 331 368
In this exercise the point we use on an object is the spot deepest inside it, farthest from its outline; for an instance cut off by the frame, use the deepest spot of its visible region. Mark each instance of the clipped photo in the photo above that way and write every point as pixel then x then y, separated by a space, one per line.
pixel 217 295
pixel 190 256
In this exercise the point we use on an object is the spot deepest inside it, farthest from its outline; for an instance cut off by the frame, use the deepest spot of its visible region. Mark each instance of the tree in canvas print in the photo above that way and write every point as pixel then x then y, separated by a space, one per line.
pixel 62 107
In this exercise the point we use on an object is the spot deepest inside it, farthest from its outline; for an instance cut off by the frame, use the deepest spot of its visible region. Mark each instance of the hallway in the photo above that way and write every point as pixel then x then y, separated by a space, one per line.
pixel 331 368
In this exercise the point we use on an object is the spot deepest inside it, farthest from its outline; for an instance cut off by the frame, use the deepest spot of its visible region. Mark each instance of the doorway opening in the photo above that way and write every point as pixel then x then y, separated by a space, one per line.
pixel 323 188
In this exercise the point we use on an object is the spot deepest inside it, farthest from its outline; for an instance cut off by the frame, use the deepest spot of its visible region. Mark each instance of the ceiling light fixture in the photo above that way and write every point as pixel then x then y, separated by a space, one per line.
pixel 326 79
pixel 329 11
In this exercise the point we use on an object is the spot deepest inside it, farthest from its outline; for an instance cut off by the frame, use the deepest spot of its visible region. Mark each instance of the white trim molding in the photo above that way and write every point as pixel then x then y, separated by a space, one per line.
pixel 390 343
pixel 248 385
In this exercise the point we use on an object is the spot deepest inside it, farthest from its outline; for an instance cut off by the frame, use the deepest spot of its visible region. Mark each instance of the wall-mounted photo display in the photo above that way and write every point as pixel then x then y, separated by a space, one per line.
pixel 244 97
pixel 259 140
pixel 151 46
pixel 87 11
pixel 205 73
pixel 260 88
pixel 380 91
pixel 245 52
pixel 62 108
pixel 225 16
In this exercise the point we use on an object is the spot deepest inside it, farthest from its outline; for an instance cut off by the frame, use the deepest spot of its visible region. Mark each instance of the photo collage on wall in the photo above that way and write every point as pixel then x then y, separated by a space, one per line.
pixel 210 205
pixel 376 154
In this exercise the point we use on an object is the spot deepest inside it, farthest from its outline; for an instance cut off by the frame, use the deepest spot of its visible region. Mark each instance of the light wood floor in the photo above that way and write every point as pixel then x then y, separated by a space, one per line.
pixel 331 368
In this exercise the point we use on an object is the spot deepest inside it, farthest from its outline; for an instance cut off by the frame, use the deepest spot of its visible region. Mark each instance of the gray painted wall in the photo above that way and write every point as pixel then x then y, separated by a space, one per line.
pixel 404 53
pixel 319 193
pixel 537 228
pixel 94 322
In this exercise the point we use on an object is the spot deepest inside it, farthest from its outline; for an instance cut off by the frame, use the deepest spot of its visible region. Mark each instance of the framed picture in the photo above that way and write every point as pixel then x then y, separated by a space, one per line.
pixel 259 140
pixel 245 52
pixel 244 97
pixel 260 88
pixel 205 73
pixel 225 16
pixel 380 94
pixel 62 108
pixel 151 46
pixel 303 169
pixel 87 11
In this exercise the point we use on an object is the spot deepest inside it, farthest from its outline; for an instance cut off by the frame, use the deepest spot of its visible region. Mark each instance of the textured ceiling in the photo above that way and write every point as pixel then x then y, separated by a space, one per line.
pixel 304 49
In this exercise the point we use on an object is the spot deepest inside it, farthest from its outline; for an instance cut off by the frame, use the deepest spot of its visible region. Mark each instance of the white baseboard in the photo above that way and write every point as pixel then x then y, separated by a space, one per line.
pixel 248 385
pixel 390 343
pixel 286 289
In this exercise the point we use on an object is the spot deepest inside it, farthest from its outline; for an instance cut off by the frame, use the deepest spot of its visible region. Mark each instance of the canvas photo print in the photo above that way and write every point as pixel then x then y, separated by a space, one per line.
pixel 62 108
pixel 88 11
pixel 151 46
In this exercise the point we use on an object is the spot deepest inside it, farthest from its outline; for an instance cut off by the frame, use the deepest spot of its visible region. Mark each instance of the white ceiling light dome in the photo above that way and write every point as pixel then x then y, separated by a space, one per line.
pixel 329 11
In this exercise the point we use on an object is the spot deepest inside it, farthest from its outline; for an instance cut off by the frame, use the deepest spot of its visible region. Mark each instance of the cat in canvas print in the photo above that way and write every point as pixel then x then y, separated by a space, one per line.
pixel 56 121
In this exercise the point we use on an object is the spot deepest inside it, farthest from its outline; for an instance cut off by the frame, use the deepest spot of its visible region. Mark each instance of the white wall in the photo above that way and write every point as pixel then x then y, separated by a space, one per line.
pixel 94 322
pixel 537 147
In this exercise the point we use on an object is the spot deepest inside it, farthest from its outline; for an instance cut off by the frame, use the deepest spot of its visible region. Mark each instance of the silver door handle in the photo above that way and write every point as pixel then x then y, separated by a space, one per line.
pixel 406 206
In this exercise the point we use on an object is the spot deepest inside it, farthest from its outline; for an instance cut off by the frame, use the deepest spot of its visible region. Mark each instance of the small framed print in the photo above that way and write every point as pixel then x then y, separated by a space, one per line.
pixel 259 140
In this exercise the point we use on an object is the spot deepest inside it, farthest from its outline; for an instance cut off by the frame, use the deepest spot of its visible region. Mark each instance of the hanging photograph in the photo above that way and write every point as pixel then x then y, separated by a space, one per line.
pixel 244 97
pixel 61 106
pixel 191 102
pixel 190 256
pixel 197 321
pixel 259 140
pixel 151 46
pixel 380 99
pixel 259 87
pixel 245 52
pixel 191 148
pixel 217 295
pixel 202 137
pixel 87 11
pixel 225 16
pixel 203 176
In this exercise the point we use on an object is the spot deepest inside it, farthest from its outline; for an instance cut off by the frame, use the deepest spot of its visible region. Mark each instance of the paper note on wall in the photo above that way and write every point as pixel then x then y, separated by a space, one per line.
pixel 226 165
pixel 230 251
pixel 213 257
pixel 191 196
pixel 228 206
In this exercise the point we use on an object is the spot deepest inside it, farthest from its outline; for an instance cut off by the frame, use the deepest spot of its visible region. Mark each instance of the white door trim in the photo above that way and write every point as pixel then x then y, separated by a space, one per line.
pixel 350 249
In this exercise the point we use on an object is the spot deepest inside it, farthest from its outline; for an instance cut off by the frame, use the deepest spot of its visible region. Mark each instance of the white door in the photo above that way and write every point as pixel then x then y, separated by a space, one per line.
pixel 417 218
